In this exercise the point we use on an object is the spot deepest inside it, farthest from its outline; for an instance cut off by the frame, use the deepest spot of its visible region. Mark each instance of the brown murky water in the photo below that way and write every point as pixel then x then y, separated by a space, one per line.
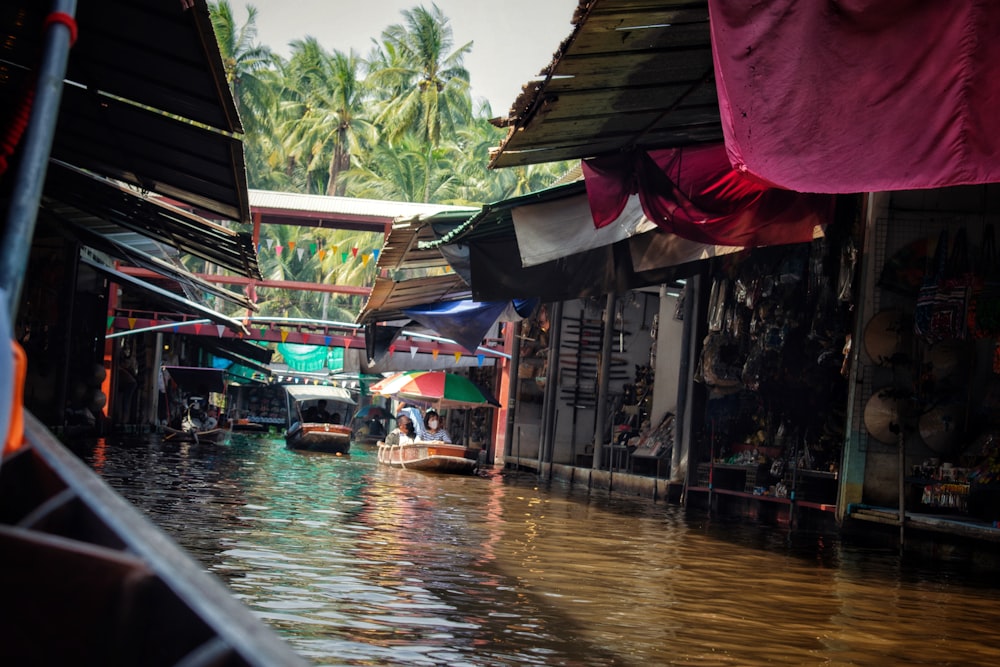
pixel 357 564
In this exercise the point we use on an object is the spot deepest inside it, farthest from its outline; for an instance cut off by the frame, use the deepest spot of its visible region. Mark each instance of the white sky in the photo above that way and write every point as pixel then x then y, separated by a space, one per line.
pixel 512 39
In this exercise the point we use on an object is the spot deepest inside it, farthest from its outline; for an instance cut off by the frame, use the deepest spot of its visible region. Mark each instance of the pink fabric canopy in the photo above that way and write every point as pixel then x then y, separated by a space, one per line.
pixel 860 95
pixel 697 195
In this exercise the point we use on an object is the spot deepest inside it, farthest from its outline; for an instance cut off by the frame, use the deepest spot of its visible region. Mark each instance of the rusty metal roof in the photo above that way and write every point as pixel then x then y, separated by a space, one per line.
pixel 403 268
pixel 632 74
pixel 146 100
pixel 105 207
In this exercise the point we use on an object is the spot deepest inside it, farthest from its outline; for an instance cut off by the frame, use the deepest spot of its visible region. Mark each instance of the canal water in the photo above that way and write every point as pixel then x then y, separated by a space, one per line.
pixel 357 564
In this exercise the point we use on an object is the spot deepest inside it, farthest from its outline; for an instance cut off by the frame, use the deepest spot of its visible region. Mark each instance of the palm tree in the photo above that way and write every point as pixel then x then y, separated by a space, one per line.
pixel 325 109
pixel 410 171
pixel 427 82
pixel 245 63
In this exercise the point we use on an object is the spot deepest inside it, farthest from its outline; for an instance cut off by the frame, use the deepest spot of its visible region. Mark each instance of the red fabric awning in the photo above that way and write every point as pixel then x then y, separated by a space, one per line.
pixel 696 194
pixel 860 95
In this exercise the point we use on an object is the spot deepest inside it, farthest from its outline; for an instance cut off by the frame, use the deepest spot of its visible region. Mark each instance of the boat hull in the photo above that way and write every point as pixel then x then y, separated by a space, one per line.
pixel 180 435
pixel 88 579
pixel 429 456
pixel 316 437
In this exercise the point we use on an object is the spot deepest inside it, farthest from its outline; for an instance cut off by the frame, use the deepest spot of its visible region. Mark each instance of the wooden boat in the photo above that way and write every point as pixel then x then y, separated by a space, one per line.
pixel 430 456
pixel 88 579
pixel 318 436
pixel 196 435
pixel 196 427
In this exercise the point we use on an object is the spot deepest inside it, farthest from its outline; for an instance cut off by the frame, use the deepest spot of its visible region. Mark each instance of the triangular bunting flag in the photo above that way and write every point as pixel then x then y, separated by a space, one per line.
pixel 343 257
pixel 299 253
pixel 278 249
pixel 270 242
pixel 413 351
pixel 354 251
pixel 434 353
pixel 305 338
pixel 197 328
pixel 221 328
pixel 291 245
pixel 392 350
pixel 458 357
pixel 327 341
pixel 284 336
pixel 375 253
pixel 480 358
pixel 364 259
pixel 312 248
pixel 131 323
pixel 321 253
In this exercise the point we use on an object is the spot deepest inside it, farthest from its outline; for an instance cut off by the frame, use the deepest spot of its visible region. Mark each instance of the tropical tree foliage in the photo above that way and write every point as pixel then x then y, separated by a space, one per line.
pixel 398 124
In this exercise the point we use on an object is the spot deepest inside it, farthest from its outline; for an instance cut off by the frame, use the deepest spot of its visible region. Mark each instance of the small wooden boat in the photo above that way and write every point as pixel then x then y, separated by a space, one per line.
pixel 247 427
pixel 318 434
pixel 88 579
pixel 196 427
pixel 196 435
pixel 430 456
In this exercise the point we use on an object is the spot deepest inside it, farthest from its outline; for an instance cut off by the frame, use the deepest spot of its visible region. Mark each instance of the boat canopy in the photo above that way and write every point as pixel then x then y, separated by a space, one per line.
pixel 315 392
pixel 198 379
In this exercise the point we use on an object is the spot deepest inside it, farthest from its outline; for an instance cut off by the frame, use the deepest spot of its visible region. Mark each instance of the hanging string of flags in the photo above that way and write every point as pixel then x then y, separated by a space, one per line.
pixel 267 333
pixel 314 249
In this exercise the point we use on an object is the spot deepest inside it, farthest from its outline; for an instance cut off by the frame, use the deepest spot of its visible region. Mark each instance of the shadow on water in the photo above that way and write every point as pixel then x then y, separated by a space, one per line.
pixel 358 564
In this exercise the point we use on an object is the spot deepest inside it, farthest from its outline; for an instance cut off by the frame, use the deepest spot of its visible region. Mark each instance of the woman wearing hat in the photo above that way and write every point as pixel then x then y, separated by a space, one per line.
pixel 433 431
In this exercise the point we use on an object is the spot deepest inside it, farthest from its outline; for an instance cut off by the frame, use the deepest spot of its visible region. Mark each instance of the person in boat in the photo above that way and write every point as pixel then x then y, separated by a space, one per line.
pixel 404 433
pixel 433 431
pixel 375 427
pixel 316 413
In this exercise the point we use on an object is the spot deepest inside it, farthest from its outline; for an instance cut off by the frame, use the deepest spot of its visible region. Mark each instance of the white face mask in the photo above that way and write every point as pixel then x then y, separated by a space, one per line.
pixel 433 423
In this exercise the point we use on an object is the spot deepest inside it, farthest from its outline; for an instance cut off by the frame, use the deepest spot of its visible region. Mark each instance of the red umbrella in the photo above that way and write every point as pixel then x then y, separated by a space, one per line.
pixel 446 390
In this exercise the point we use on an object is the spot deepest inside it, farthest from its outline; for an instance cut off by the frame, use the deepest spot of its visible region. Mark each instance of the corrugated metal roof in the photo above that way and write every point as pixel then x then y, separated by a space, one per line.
pixel 147 100
pixel 105 207
pixel 389 297
pixel 402 256
pixel 262 200
pixel 632 74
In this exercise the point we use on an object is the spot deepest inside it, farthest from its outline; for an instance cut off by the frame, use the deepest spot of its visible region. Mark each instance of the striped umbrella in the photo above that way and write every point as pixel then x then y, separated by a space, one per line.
pixel 446 390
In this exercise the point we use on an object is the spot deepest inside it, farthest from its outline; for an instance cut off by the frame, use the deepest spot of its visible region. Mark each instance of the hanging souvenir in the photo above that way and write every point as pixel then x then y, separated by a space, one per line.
pixel 984 300
pixel 923 314
pixel 949 319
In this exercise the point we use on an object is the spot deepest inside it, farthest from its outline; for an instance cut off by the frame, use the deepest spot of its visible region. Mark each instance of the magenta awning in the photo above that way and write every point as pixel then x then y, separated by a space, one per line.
pixel 860 96
pixel 696 194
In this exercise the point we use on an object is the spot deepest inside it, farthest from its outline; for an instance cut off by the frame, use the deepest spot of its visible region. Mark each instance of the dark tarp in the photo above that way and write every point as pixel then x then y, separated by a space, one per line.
pixel 468 322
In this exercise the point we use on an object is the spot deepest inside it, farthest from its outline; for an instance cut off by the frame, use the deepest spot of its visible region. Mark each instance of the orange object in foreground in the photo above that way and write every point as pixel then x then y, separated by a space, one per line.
pixel 15 433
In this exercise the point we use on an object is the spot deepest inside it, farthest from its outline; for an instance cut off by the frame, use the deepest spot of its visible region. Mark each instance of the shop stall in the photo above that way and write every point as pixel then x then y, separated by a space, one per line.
pixel 772 369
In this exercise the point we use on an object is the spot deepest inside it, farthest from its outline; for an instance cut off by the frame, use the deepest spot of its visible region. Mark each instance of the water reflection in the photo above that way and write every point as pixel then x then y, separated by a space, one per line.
pixel 357 564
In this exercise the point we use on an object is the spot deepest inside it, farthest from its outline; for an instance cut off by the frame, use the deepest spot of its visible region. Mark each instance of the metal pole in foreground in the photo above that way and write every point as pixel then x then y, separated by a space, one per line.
pixel 604 380
pixel 35 150
pixel 513 379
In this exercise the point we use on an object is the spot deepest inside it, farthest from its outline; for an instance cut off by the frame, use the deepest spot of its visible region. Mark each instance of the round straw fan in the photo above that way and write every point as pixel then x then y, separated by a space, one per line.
pixel 887 334
pixel 882 417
